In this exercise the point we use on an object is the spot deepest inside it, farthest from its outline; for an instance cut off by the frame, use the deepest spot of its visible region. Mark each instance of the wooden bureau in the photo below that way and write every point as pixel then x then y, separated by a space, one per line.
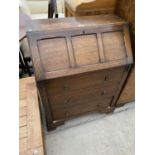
pixel 80 63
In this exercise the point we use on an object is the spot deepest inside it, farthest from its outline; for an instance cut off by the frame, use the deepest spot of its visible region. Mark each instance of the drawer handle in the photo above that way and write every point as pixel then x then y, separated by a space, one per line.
pixel 66 101
pixel 67 113
pixel 106 78
pixel 98 105
pixel 66 87
pixel 103 93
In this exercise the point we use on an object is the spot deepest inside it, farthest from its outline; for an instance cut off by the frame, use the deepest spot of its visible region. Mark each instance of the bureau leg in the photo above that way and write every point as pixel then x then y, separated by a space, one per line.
pixel 55 124
pixel 110 109
pixel 50 127
pixel 107 110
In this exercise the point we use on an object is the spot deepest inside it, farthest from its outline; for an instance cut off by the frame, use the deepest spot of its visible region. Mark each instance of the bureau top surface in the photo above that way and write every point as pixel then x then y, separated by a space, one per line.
pixel 68 46
pixel 72 22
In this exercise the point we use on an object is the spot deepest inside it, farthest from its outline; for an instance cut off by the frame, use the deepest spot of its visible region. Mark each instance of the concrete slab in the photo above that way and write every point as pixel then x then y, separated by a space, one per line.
pixel 95 134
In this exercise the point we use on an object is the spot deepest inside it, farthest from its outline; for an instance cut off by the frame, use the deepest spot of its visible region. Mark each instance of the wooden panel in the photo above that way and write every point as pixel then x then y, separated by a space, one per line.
pixel 79 96
pixel 22 103
pixel 113 43
pixel 53 54
pixel 23 111
pixel 85 54
pixel 128 93
pixel 86 91
pixel 30 135
pixel 23 121
pixel 92 104
pixel 83 8
pixel 22 95
pixel 23 146
pixel 57 62
pixel 79 108
pixel 81 81
pixel 33 118
pixel 70 23
pixel 36 151
pixel 126 10
pixel 23 132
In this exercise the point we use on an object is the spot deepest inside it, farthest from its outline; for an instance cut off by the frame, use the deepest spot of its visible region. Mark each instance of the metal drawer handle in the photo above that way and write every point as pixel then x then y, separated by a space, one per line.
pixel 106 78
pixel 66 101
pixel 66 87
pixel 67 113
pixel 103 93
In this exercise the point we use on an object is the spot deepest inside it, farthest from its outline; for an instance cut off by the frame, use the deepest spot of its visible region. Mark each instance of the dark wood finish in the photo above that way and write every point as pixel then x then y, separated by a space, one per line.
pixel 124 9
pixel 128 92
pixel 90 8
pixel 80 64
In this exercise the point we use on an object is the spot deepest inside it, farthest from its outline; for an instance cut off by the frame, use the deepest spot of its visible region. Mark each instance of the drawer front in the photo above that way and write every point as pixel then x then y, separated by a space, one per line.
pixel 75 95
pixel 82 81
pixel 70 98
pixel 81 101
pixel 88 105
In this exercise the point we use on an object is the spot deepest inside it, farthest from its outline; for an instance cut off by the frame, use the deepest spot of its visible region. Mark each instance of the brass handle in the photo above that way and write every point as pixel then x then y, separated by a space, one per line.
pixel 67 113
pixel 98 105
pixel 106 78
pixel 103 93
pixel 66 101
pixel 66 87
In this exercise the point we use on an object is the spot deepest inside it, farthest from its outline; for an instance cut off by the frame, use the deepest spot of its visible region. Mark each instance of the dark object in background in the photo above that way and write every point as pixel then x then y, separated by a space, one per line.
pixel 25 67
pixel 52 9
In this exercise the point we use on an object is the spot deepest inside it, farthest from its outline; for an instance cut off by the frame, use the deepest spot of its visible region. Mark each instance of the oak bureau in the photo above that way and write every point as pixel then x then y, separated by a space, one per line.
pixel 80 63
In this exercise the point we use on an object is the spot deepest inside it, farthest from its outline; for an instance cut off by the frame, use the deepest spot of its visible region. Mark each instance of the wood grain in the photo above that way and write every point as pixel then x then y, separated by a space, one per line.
pixel 80 64
pixel 83 51
pixel 30 134
pixel 49 49
pixel 90 8
pixel 50 61
pixel 126 10
pixel 114 46
pixel 128 92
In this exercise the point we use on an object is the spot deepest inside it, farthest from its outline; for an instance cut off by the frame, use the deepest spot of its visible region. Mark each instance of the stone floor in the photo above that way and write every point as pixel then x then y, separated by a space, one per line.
pixel 95 134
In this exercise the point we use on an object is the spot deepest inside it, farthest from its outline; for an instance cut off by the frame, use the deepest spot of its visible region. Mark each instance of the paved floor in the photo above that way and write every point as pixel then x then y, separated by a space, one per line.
pixel 95 134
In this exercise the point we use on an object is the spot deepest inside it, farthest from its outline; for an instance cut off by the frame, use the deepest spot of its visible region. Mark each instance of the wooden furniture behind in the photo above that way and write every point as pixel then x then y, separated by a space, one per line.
pixel 126 10
pixel 30 130
pixel 80 64
pixel 122 8
pixel 95 7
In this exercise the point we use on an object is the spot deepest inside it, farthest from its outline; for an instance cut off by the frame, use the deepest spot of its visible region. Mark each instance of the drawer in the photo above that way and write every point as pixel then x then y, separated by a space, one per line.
pixel 88 105
pixel 70 98
pixel 82 81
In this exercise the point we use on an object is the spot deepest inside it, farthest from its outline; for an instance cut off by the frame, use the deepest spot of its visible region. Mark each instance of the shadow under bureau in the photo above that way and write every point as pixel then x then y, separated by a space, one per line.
pixel 80 63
